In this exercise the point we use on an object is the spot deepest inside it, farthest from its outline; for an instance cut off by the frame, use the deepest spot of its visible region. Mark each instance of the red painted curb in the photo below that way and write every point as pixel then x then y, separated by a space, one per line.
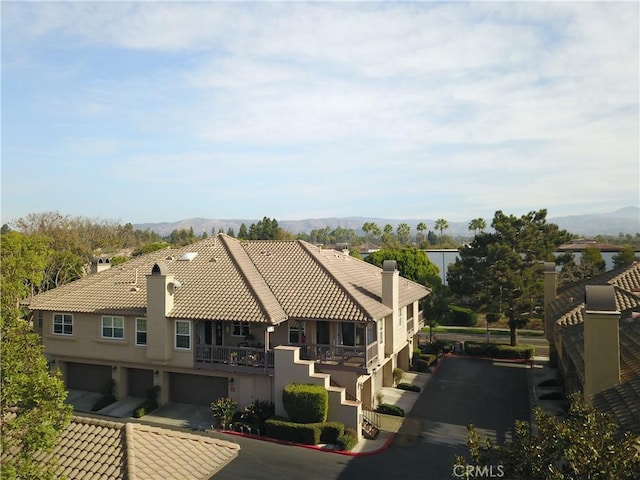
pixel 311 447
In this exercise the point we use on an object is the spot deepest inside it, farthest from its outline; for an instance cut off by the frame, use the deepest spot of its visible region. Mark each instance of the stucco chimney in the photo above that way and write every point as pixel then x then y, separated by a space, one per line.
pixel 99 264
pixel 601 340
pixel 161 287
pixel 390 276
pixel 550 294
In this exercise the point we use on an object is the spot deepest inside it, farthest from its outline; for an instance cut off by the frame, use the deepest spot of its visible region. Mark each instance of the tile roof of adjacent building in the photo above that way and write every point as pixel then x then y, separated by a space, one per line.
pixel 622 400
pixel 92 448
pixel 228 279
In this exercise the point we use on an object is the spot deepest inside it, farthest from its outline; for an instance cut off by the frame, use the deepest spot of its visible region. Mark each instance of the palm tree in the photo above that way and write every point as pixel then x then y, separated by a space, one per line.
pixel 477 225
pixel 421 228
pixel 403 231
pixel 441 224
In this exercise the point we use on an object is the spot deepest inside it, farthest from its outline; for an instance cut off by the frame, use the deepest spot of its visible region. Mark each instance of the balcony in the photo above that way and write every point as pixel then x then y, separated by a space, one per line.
pixel 230 358
pixel 340 355
pixel 252 360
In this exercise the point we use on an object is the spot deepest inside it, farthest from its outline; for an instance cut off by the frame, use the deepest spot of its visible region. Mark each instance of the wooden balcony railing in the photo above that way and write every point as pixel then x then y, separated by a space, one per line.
pixel 243 356
pixel 346 355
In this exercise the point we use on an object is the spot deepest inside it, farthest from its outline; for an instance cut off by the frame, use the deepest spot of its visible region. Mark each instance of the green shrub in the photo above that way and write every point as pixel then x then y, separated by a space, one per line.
pixel 223 410
pixel 148 406
pixel 347 440
pixel 409 387
pixel 438 347
pixel 398 373
pixel 256 413
pixel 462 316
pixel 108 396
pixel 330 431
pixel 421 365
pixel 103 401
pixel 306 403
pixel 499 350
pixel 305 433
pixel 389 409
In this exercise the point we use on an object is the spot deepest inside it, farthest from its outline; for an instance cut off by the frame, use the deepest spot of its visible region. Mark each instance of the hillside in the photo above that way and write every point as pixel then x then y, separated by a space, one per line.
pixel 625 220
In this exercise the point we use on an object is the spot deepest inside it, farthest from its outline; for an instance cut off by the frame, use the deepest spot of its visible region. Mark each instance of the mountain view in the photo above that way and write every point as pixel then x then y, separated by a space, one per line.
pixel 625 220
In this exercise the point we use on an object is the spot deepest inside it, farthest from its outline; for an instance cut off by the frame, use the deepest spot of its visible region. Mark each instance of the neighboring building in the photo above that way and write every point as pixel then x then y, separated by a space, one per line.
pixel 91 449
pixel 224 317
pixel 594 331
pixel 581 244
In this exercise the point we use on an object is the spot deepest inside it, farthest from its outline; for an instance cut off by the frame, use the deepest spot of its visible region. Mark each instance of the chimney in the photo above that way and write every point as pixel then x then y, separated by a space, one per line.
pixel 99 264
pixel 550 294
pixel 601 340
pixel 390 278
pixel 161 287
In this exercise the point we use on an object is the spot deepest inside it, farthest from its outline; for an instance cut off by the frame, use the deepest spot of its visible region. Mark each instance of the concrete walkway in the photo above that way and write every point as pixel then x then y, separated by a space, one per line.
pixel 390 424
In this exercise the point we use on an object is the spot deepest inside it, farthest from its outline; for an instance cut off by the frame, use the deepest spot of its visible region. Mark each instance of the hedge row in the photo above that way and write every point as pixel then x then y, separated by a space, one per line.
pixel 409 387
pixel 422 361
pixel 462 316
pixel 305 433
pixel 388 409
pixel 498 350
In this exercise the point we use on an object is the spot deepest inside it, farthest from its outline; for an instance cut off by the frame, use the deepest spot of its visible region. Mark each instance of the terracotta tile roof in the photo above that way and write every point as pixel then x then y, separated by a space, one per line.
pixel 92 448
pixel 623 402
pixel 257 281
pixel 566 309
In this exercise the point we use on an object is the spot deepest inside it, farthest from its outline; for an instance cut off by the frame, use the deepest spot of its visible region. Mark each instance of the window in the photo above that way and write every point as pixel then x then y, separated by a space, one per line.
pixel 381 330
pixel 141 331
pixel 113 327
pixel 183 334
pixel 350 333
pixel 40 319
pixel 63 324
pixel 400 317
pixel 241 329
pixel 296 332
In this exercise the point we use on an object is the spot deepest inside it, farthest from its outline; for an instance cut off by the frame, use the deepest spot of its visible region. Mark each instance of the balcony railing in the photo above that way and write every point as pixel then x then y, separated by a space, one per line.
pixel 345 355
pixel 241 356
pixel 410 326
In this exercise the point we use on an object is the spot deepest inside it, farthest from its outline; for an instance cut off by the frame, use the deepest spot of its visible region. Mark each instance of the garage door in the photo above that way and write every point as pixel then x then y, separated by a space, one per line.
pixel 139 382
pixel 196 389
pixel 84 376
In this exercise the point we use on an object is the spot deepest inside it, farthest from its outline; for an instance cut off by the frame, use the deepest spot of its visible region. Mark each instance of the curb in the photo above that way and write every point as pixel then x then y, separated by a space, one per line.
pixel 311 447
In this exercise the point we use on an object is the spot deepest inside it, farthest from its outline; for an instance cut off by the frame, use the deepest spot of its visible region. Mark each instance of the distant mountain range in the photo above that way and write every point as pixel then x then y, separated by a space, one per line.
pixel 625 220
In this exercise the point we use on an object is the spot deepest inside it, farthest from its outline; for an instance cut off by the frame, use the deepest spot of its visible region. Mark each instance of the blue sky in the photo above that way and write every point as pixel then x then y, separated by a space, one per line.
pixel 160 111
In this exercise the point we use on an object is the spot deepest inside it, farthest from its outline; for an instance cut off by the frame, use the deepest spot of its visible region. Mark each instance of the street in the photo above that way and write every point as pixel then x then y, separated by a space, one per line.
pixel 489 394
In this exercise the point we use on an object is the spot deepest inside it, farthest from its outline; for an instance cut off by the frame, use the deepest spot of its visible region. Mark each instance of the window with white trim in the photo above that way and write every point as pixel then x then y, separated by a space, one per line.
pixel 241 329
pixel 141 331
pixel 62 324
pixel 400 319
pixel 183 334
pixel 381 330
pixel 113 327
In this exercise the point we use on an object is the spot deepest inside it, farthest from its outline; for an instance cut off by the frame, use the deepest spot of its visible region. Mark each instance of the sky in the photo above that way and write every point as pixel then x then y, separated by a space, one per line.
pixel 162 111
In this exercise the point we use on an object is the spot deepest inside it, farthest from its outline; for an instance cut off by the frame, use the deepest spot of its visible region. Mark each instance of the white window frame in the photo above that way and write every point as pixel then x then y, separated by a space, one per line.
pixel 138 330
pixel 400 322
pixel 241 326
pixel 381 331
pixel 112 327
pixel 62 323
pixel 176 334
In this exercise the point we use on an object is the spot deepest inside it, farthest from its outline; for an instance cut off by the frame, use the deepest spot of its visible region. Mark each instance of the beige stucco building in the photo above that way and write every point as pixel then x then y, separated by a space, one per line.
pixel 224 317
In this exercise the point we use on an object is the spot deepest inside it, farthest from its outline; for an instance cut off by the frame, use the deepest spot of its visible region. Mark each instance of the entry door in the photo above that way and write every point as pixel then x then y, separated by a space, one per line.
pixel 323 333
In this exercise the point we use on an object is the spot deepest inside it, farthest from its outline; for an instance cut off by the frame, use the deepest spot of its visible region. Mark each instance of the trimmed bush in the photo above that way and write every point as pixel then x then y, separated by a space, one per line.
pixel 499 350
pixel 389 409
pixel 305 433
pixel 306 403
pixel 256 413
pixel 347 440
pixel 462 316
pixel 409 387
pixel 330 431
